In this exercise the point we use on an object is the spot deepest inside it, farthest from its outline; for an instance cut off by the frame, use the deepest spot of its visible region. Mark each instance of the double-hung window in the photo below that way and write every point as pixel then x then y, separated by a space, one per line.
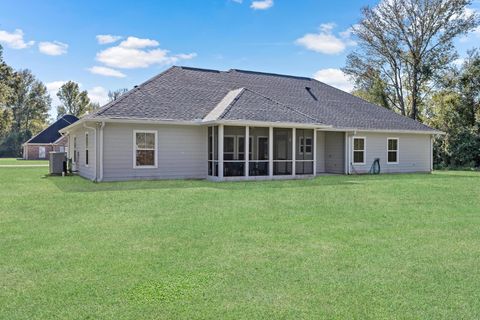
pixel 86 149
pixel 358 150
pixel 392 150
pixel 145 149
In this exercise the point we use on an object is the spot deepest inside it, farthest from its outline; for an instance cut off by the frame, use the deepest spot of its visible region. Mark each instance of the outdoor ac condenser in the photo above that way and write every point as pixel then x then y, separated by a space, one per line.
pixel 56 162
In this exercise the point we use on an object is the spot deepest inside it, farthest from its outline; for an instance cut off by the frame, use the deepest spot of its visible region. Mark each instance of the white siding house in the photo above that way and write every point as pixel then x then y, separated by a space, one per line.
pixel 191 123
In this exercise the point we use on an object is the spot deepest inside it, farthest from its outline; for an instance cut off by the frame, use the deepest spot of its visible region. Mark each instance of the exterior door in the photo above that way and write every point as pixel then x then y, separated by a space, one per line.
pixel 41 152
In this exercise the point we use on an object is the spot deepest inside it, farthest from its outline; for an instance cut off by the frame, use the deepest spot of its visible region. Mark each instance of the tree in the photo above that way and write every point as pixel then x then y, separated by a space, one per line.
pixel 455 109
pixel 26 111
pixel 114 95
pixel 29 102
pixel 406 44
pixel 6 77
pixel 74 101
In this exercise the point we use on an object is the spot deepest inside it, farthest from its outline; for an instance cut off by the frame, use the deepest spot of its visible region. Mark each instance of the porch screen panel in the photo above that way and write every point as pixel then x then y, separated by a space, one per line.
pixel 212 151
pixel 258 160
pixel 233 151
pixel 304 152
pixel 282 151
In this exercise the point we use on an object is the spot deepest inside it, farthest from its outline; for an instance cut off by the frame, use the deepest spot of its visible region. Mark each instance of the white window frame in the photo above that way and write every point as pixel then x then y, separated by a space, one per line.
pixel 397 151
pixel 87 150
pixel 364 150
pixel 135 149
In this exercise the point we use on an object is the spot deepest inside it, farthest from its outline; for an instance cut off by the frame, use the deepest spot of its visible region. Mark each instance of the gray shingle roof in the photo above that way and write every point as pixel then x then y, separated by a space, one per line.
pixel 190 94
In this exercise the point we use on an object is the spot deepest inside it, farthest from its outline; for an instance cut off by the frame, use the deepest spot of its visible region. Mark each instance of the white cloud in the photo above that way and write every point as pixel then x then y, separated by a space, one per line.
pixel 261 4
pixel 138 43
pixel 325 41
pixel 131 53
pixel 108 72
pixel 14 39
pixel 98 94
pixel 107 38
pixel 334 77
pixel 54 48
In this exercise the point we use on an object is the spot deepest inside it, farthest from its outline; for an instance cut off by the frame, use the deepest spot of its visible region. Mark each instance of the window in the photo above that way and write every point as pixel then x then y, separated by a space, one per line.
pixel 305 145
pixel 86 149
pixel 358 150
pixel 392 149
pixel 75 149
pixel 145 149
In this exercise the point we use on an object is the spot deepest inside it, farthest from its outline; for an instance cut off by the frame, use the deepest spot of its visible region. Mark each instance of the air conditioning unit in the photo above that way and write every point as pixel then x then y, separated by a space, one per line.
pixel 57 163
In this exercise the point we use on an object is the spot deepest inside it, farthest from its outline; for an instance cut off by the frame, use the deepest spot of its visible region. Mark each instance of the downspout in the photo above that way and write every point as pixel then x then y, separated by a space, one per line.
pixel 95 147
pixel 101 151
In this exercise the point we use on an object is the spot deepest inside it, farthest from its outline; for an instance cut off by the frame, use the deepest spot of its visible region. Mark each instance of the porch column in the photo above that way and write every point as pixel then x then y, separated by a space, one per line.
pixel 346 153
pixel 294 156
pixel 314 152
pixel 270 151
pixel 220 151
pixel 247 149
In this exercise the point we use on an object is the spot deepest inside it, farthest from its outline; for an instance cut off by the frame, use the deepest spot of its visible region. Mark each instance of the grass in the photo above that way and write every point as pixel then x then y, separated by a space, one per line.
pixel 356 247
pixel 21 162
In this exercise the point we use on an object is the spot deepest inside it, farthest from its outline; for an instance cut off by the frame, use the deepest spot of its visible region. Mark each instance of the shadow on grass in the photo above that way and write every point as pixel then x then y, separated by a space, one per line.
pixel 79 184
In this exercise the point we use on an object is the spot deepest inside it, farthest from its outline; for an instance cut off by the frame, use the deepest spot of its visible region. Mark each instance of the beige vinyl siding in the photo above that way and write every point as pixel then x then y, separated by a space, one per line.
pixel 334 152
pixel 414 153
pixel 181 152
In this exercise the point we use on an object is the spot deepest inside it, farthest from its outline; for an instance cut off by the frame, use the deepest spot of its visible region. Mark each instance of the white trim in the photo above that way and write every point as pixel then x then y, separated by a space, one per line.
pixel 220 151
pixel 155 132
pixel 294 151
pixel 364 151
pixel 246 151
pixel 397 151
pixel 382 130
pixel 270 152
pixel 101 151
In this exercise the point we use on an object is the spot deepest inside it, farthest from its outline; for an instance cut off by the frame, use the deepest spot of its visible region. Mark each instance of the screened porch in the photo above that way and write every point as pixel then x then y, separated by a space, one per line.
pixel 272 152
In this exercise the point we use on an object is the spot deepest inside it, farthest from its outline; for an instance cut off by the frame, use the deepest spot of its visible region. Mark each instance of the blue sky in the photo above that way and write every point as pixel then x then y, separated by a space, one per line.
pixel 59 40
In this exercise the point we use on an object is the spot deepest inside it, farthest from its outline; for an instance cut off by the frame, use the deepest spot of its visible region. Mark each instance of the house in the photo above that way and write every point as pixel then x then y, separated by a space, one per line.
pixel 195 123
pixel 50 139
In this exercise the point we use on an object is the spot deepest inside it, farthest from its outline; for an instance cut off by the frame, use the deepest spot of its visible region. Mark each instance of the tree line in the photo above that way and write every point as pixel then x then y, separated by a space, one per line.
pixel 25 104
pixel 406 61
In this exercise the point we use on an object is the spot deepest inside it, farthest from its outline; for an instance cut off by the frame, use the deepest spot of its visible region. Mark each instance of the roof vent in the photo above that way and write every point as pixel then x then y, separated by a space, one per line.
pixel 309 90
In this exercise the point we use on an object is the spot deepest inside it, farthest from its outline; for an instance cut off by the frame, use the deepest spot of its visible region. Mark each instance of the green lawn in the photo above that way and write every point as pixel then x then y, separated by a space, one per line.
pixel 21 162
pixel 346 247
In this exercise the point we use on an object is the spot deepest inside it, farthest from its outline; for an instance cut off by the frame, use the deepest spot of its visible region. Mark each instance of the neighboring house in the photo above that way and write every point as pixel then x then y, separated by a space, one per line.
pixel 50 139
pixel 197 123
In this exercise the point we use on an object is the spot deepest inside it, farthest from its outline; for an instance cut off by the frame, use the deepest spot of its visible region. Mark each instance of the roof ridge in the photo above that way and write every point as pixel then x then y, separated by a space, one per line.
pixel 235 99
pixel 270 74
pixel 284 105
